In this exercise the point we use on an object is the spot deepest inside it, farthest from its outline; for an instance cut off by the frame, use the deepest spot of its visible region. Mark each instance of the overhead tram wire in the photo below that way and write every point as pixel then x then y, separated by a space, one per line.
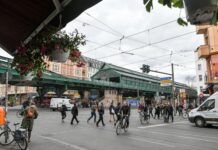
pixel 149 29
pixel 104 24
pixel 151 58
pixel 115 54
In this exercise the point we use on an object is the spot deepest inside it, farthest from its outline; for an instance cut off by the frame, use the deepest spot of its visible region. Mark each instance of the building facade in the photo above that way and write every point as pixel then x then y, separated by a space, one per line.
pixel 93 66
pixel 209 51
pixel 201 73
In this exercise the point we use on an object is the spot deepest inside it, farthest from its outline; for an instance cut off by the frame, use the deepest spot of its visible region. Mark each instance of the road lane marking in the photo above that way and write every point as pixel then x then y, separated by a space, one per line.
pixel 152 126
pixel 153 142
pixel 161 125
pixel 185 137
pixel 63 143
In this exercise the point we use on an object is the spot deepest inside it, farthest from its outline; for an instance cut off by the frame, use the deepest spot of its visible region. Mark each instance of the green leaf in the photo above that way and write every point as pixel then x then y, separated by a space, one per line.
pixel 214 19
pixel 177 3
pixel 181 22
pixel 149 5
pixel 145 1
pixel 160 1
pixel 167 2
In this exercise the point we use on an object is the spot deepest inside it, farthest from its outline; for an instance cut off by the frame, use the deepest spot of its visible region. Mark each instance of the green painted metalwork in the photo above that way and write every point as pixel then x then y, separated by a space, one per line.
pixel 131 81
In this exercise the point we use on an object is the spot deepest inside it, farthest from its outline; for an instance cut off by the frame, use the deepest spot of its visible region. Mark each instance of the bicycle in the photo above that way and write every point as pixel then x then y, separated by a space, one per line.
pixel 122 124
pixel 20 113
pixel 18 135
pixel 185 113
pixel 144 118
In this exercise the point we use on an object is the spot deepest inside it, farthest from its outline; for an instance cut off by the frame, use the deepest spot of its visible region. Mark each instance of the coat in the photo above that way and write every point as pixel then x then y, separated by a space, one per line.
pixel 27 122
pixel 74 111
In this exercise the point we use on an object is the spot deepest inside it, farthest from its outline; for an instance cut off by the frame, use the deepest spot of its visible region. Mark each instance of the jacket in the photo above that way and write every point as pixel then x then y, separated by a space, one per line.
pixel 74 111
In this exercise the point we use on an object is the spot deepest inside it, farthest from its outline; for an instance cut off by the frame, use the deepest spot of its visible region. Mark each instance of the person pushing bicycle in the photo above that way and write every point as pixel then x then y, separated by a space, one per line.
pixel 125 111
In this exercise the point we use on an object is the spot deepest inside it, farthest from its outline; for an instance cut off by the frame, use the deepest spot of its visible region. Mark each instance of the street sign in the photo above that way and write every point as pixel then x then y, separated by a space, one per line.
pixel 166 81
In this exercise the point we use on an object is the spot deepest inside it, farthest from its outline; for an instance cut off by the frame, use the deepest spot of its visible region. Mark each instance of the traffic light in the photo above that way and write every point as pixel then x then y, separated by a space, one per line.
pixel 145 68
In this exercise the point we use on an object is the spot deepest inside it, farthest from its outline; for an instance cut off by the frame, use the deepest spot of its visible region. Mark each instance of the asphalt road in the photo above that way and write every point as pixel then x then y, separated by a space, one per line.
pixel 50 133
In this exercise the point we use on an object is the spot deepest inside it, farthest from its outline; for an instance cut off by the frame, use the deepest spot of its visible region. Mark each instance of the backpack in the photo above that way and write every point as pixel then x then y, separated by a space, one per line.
pixel 30 112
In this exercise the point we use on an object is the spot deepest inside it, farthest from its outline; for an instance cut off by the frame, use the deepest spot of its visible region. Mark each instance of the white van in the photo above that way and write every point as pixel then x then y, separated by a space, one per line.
pixel 58 102
pixel 206 113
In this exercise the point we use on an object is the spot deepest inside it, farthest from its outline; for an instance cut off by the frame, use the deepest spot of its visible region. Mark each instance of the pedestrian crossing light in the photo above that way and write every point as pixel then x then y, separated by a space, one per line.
pixel 145 68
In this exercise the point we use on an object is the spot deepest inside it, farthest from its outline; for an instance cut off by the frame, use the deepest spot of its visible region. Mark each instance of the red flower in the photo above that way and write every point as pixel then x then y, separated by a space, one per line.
pixel 39 74
pixel 80 64
pixel 57 46
pixel 22 50
pixel 43 50
pixel 75 53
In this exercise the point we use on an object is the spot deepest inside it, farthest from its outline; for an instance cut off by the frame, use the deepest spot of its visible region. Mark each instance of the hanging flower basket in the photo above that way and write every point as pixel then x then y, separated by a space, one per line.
pixel 200 11
pixel 55 46
pixel 60 55
pixel 27 77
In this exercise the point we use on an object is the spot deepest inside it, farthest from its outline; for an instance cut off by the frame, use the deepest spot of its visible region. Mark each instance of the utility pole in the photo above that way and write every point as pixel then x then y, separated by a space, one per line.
pixel 6 87
pixel 146 69
pixel 173 94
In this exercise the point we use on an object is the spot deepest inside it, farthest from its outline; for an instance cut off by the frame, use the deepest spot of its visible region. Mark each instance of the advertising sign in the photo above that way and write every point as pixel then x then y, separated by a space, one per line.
pixel 166 81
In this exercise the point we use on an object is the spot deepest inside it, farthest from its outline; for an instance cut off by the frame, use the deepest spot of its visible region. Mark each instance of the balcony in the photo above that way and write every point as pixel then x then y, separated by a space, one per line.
pixel 214 49
pixel 202 29
pixel 203 51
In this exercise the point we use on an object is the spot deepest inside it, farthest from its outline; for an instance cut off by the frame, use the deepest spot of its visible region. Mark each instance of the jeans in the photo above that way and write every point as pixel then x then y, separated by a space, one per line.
pixel 100 119
pixel 93 114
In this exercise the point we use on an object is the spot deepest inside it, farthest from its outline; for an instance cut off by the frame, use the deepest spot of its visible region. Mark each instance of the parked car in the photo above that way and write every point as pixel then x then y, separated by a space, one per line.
pixel 56 103
pixel 206 113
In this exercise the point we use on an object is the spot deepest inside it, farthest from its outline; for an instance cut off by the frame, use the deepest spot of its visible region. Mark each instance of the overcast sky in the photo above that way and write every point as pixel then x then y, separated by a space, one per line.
pixel 110 20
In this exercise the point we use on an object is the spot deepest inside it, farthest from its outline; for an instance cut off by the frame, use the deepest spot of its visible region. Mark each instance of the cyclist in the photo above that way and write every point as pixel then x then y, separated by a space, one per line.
pixel 125 111
pixel 117 112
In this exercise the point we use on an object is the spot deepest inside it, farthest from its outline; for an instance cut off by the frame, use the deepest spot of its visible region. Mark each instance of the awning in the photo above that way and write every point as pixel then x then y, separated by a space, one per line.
pixel 21 19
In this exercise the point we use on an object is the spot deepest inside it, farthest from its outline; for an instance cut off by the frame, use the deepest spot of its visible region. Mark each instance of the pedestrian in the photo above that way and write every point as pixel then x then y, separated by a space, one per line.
pixel 180 109
pixel 118 113
pixel 170 112
pixel 111 111
pixel 101 113
pixel 30 113
pixel 157 112
pixel 63 110
pixel 75 113
pixel 93 112
pixel 151 111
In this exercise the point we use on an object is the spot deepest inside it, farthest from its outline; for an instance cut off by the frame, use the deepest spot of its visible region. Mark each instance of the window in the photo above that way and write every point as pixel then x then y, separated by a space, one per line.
pixel 199 66
pixel 208 105
pixel 55 68
pixel 200 77
pixel 77 72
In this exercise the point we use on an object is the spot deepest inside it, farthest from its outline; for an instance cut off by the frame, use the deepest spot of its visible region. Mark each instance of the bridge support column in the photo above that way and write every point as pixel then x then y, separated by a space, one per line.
pixel 157 97
pixel 86 95
pixel 142 99
pixel 112 96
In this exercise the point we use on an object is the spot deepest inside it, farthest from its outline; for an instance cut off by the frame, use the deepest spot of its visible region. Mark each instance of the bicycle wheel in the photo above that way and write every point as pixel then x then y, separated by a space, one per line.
pixel 22 144
pixel 6 138
pixel 118 128
pixel 19 114
pixel 125 127
pixel 185 115
pixel 142 118
pixel 148 119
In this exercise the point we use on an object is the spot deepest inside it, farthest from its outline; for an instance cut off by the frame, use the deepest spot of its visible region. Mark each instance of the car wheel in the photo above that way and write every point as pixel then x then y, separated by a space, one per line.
pixel 199 122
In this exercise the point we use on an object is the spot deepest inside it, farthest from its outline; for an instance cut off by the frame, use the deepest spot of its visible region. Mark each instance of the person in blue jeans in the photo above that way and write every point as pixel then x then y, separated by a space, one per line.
pixel 93 112
pixel 101 113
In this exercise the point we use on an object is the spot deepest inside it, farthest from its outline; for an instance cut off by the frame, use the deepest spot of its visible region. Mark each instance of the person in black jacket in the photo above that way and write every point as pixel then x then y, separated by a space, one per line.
pixel 63 112
pixel 101 113
pixel 117 112
pixel 74 112
pixel 157 112
pixel 170 112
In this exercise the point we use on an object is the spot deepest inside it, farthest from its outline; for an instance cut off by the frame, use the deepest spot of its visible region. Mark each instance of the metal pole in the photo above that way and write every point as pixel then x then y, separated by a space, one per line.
pixel 172 67
pixel 6 92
